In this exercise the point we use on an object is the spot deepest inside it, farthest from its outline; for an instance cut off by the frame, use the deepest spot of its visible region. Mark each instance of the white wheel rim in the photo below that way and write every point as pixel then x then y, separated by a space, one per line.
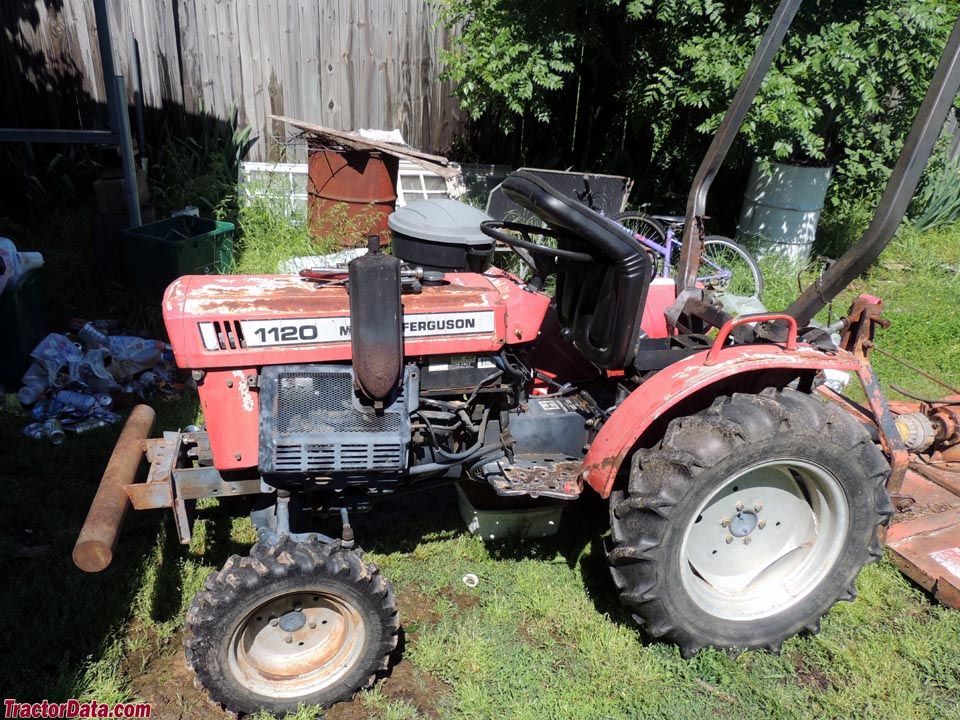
pixel 764 540
pixel 297 644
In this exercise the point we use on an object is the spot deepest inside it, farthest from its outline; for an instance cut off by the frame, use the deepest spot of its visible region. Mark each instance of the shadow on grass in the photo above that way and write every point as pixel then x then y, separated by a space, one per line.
pixel 56 621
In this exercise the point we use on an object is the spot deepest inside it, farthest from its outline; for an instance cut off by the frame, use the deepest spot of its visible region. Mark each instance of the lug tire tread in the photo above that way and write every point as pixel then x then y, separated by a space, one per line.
pixel 660 477
pixel 237 582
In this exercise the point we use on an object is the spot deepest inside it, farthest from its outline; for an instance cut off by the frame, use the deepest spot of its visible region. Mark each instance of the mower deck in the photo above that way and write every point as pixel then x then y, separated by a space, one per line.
pixel 925 538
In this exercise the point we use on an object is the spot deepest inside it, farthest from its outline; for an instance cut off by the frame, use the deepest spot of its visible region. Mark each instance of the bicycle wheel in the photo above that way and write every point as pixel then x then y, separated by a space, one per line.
pixel 727 267
pixel 646 227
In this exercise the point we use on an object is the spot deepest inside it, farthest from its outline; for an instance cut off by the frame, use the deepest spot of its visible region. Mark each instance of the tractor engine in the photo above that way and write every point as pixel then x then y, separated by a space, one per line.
pixel 372 378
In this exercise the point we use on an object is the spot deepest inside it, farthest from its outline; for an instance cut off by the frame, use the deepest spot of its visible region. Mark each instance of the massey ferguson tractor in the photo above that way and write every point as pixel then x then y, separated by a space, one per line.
pixel 744 495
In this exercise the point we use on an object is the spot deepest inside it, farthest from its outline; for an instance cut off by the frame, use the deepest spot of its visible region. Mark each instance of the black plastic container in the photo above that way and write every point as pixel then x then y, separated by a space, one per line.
pixel 441 235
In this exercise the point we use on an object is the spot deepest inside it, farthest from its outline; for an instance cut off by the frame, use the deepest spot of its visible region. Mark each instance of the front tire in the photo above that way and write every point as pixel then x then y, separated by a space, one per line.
pixel 748 522
pixel 294 623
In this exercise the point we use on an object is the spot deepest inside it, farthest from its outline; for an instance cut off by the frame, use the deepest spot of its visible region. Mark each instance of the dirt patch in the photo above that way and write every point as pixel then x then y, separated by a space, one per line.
pixel 160 676
pixel 463 600
pixel 420 690
pixel 810 676
pixel 416 608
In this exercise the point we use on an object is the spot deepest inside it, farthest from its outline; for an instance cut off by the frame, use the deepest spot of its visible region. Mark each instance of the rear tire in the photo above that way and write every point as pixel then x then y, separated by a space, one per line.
pixel 295 623
pixel 748 522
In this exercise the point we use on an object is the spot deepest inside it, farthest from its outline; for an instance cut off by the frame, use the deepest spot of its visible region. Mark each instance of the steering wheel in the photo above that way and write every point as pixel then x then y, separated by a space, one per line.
pixel 495 228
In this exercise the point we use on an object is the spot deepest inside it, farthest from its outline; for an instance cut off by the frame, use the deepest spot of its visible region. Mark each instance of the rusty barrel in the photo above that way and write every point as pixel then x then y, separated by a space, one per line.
pixel 351 194
pixel 98 537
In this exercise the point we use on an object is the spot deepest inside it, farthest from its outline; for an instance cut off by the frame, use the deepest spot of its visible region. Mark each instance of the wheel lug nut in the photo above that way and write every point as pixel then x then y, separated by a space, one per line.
pixel 288 639
pixel 313 626
pixel 757 507
pixel 728 539
pixel 762 524
pixel 746 540
pixel 296 607
pixel 725 522
pixel 274 622
pixel 739 506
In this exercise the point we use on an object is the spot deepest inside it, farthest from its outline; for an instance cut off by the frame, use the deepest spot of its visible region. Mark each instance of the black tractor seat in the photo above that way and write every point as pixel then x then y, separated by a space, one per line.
pixel 599 304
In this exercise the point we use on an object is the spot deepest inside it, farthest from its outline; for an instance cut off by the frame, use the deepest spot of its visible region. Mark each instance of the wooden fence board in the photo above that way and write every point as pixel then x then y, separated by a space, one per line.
pixel 344 64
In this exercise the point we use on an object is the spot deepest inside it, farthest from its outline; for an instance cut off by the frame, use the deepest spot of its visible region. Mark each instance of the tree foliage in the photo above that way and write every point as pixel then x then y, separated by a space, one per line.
pixel 843 90
pixel 512 55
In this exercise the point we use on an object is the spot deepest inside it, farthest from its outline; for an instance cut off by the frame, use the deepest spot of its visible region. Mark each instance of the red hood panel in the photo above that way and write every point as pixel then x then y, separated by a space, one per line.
pixel 255 320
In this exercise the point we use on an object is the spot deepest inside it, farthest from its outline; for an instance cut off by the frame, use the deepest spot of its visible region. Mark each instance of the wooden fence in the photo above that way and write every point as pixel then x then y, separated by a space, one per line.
pixel 345 64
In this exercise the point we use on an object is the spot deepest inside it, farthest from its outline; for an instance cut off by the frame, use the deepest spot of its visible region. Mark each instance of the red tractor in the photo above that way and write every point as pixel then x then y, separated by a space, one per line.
pixel 744 496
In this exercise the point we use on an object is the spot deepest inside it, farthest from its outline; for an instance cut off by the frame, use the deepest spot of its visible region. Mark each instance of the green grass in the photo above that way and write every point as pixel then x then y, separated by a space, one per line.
pixel 542 636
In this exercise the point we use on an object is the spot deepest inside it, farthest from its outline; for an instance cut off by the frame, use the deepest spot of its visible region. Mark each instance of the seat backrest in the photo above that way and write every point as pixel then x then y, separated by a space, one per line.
pixel 600 302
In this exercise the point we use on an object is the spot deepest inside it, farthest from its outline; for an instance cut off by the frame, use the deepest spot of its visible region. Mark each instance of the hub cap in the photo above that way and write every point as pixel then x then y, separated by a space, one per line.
pixel 764 539
pixel 297 644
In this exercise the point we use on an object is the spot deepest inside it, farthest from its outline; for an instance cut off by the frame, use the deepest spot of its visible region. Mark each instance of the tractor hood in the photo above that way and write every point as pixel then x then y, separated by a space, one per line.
pixel 254 320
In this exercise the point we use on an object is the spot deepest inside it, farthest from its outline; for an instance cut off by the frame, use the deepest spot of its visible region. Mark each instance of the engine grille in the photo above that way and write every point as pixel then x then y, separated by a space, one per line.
pixel 311 421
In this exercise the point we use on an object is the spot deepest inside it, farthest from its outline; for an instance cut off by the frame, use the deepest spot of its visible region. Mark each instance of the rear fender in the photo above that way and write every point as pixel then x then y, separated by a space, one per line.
pixel 705 375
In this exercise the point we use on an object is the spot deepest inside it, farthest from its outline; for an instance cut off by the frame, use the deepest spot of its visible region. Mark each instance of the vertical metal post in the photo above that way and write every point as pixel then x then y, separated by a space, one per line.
pixel 122 119
pixel 749 85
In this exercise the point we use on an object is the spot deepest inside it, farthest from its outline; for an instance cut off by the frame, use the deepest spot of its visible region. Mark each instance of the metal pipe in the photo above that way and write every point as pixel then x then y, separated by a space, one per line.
pixel 126 150
pixel 65 137
pixel 900 188
pixel 93 551
pixel 697 199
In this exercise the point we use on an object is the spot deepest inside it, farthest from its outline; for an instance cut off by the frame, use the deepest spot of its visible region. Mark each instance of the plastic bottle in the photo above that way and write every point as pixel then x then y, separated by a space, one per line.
pixel 34 431
pixel 47 408
pixel 13 264
pixel 77 401
pixel 35 382
pixel 88 424
pixel 93 336
pixel 132 355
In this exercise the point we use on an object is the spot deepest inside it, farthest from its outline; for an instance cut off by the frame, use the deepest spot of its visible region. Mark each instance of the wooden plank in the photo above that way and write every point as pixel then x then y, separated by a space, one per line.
pixel 251 73
pixel 348 39
pixel 163 44
pixel 121 22
pixel 311 86
pixel 387 66
pixel 405 111
pixel 36 72
pixel 212 94
pixel 189 33
pixel 348 137
pixel 228 75
pixel 292 59
pixel 82 105
pixel 13 57
pixel 331 64
pixel 438 165
pixel 365 67
pixel 271 20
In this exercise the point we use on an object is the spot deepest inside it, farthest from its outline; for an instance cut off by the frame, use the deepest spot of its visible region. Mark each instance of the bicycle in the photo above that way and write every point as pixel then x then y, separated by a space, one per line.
pixel 729 267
